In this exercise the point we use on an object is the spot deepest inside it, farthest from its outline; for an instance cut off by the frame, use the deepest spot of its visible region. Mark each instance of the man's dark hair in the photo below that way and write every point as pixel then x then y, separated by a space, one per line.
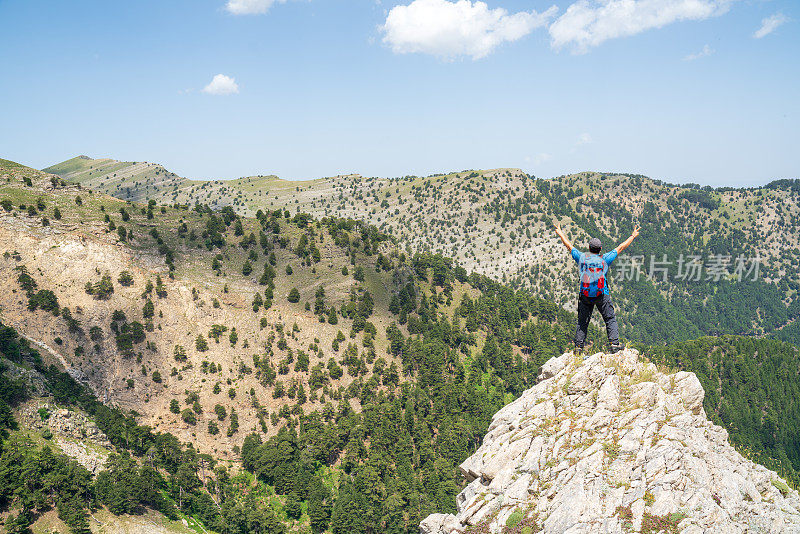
pixel 595 245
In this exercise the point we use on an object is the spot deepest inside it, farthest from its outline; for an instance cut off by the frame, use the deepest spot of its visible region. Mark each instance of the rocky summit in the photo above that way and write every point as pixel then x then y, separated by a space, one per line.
pixel 614 444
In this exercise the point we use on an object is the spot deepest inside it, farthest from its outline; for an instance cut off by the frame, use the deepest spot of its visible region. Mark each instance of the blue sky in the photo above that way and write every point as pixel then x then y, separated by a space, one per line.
pixel 681 90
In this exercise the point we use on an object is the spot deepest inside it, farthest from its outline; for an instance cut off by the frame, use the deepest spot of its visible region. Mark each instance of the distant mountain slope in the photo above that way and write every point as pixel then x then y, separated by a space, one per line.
pixel 313 350
pixel 123 179
pixel 194 276
pixel 499 223
pixel 61 452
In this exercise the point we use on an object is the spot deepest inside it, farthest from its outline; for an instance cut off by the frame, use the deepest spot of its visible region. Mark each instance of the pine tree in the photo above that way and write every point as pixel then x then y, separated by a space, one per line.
pixel 293 506
pixel 319 508
pixel 148 310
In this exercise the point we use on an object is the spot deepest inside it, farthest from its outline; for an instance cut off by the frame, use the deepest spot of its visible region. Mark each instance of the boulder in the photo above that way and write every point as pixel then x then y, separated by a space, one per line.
pixel 612 444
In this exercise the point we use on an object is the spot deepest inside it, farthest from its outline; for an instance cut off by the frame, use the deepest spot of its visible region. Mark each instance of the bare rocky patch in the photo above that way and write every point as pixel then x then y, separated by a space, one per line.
pixel 614 444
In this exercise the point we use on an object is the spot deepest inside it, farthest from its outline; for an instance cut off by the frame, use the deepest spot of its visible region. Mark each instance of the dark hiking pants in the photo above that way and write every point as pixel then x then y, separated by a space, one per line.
pixel 586 306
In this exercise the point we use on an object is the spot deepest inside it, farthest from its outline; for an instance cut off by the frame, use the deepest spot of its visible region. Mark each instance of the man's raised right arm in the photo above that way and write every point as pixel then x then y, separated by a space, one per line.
pixel 625 244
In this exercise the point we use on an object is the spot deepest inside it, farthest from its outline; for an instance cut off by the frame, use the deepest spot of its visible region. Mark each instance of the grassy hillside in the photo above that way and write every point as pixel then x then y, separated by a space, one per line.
pixel 194 278
pixel 226 332
pixel 499 223
pixel 128 180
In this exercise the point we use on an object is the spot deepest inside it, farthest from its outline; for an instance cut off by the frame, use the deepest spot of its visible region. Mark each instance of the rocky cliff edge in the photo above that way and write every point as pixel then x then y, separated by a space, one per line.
pixel 614 444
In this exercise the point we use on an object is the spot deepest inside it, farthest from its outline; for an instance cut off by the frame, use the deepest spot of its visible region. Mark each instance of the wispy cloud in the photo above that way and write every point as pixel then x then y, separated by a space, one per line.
pixel 540 158
pixel 770 24
pixel 583 139
pixel 222 85
pixel 250 7
pixel 452 29
pixel 706 51
pixel 588 23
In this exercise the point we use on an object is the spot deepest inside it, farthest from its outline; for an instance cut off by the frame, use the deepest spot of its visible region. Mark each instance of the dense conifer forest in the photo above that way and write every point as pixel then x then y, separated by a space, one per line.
pixel 752 389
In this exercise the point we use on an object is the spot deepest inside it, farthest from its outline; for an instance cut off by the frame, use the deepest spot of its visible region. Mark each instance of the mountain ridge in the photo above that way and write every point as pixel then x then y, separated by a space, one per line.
pixel 499 223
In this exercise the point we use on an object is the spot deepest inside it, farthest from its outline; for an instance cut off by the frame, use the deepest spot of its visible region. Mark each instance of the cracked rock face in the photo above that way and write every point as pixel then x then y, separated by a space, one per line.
pixel 74 434
pixel 611 444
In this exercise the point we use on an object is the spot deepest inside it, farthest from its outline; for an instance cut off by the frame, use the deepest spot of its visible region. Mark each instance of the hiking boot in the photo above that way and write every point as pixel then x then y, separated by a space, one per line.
pixel 615 348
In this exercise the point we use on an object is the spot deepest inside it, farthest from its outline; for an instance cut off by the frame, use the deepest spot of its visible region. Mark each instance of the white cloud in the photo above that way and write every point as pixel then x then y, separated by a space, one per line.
pixel 770 24
pixel 451 29
pixel 706 51
pixel 584 139
pixel 250 7
pixel 222 85
pixel 540 158
pixel 588 23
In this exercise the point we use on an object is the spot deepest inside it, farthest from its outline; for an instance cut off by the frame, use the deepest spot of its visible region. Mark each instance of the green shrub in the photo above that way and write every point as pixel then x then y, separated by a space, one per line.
pixel 188 416
pixel 294 295
pixel 125 279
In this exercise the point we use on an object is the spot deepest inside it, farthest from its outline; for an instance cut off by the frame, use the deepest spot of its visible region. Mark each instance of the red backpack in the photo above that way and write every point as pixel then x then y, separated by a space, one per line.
pixel 593 270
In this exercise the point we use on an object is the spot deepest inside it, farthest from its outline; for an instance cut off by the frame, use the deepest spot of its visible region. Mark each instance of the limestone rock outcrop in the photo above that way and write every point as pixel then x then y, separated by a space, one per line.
pixel 72 432
pixel 612 444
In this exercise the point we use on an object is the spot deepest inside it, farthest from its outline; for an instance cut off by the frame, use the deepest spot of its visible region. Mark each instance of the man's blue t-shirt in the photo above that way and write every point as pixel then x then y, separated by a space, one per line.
pixel 608 257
